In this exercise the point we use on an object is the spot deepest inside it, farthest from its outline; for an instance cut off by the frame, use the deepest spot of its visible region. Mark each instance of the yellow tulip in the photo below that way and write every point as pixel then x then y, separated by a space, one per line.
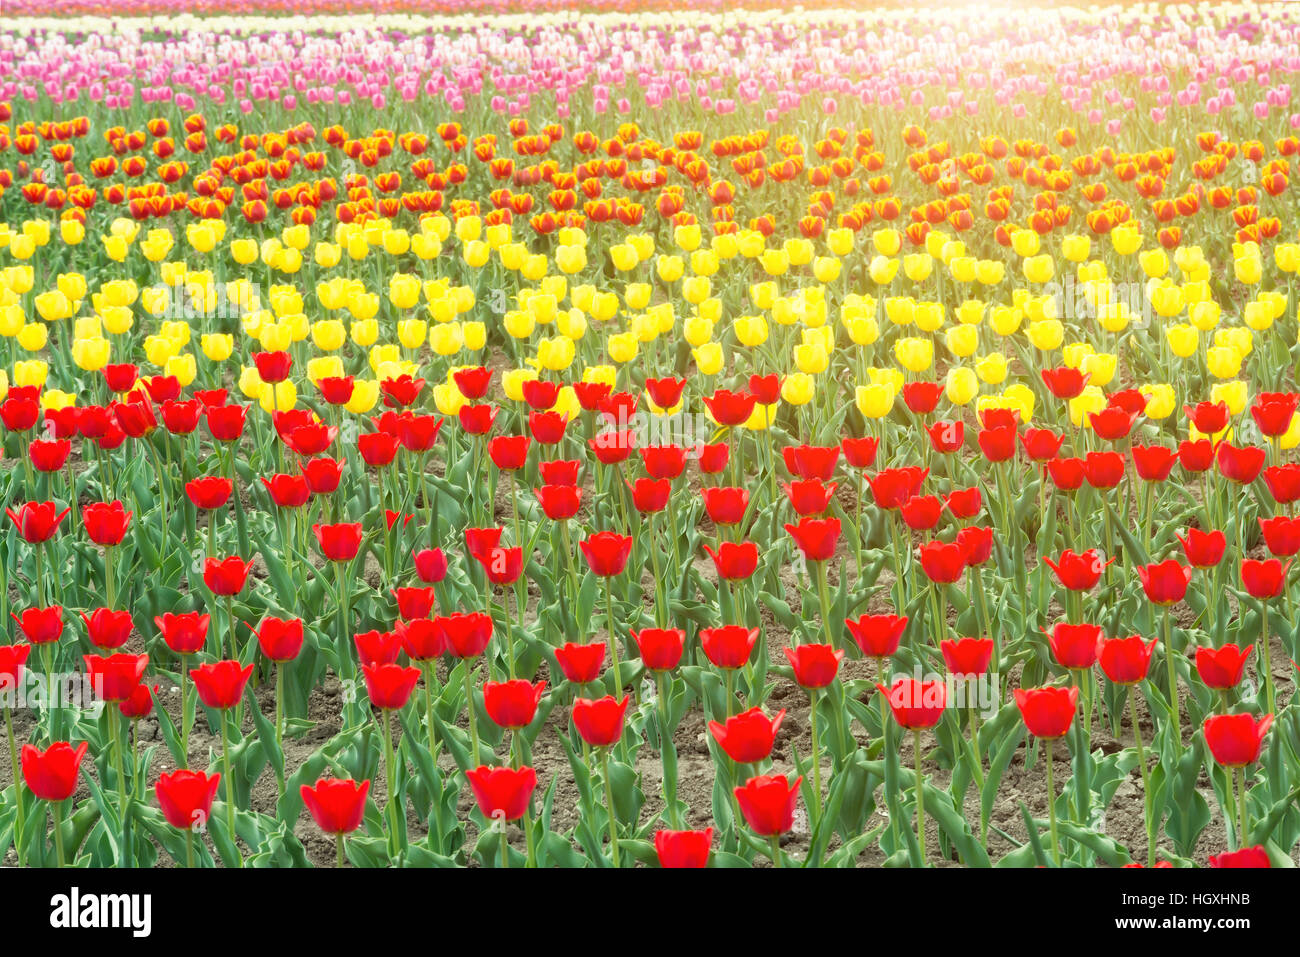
pixel 961 385
pixel 913 353
pixel 874 401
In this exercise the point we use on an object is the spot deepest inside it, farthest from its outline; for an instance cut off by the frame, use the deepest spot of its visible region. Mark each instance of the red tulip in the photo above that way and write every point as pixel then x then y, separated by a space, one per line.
pixel 998 445
pixel 812 462
pixel 139 704
pixel 967 657
pixel 964 503
pixel 581 664
pixel 477 419
pixel 922 397
pixel 650 495
pixel 712 458
pixel 892 487
pixel 1112 423
pixel 815 666
pixel 1203 549
pixel 389 686
pixel 1065 382
pixel 1222 668
pixel 612 447
pixel 273 367
pixel 810 496
pixel 19 413
pixel 540 394
pixel 49 456
pixel 1235 740
pixel 730 408
pixel 37 521
pixel 559 502
pixel 502 793
pixel 860 453
pixel 734 561
pixel 52 774
pixel 1283 482
pixel 1196 456
pixel 114 677
pixel 509 452
pixel 108 629
pixel 209 493
pixel 288 491
pixel 338 543
pixel 186 797
pixel 976 543
pixel 943 562
pixel 1153 463
pixel 747 738
pixel 921 513
pixel 1041 445
pixel 1047 712
pixel 225 576
pixel 430 565
pixel 1255 856
pixel 323 474
pixel 665 393
pixel 600 722
pixel 337 390
pixel 1165 583
pixel 547 427
pixel 816 537
pixel 663 461
pixel 660 648
pixel 728 646
pixel 1273 411
pixel 725 506
pixel 1210 418
pixel 1281 535
pixel 378 449
pixel 767 803
pixel 1240 465
pixel 947 436
pixel 1264 579
pixel 512 704
pixel 473 381
pixel 1067 474
pixel 1074 646
pixel 421 638
pixel 337 805
pixel 607 552
pixel 877 636
pixel 1103 470
pixel 184 634
pixel 280 639
pixel 559 472
pixel 1125 660
pixel 377 647
pixel 916 705
pixel 226 422
pixel 13 661
pixel 682 849
pixel 503 566
pixel 766 388
pixel 220 684
pixel 401 391
pixel 40 626
pixel 467 633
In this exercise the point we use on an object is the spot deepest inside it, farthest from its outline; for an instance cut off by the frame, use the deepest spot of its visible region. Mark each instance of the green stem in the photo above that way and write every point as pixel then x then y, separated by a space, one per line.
pixel 613 639
pixel 1146 786
pixel 1173 681
pixel 609 801
pixel 18 785
pixel 920 795
pixel 1051 806
pixel 56 807
pixel 473 722
pixel 230 786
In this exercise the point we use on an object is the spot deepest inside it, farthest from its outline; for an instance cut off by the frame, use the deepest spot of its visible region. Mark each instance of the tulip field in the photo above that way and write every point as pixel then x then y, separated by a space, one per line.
pixel 625 435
